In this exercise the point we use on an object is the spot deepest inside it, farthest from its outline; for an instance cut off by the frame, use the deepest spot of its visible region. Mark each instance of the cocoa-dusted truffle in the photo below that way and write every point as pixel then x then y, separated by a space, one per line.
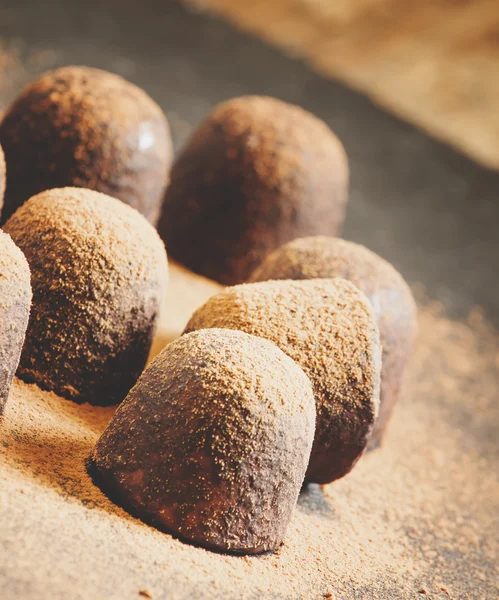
pixel 2 177
pixel 390 296
pixel 98 271
pixel 328 327
pixel 213 442
pixel 257 173
pixel 83 127
pixel 15 301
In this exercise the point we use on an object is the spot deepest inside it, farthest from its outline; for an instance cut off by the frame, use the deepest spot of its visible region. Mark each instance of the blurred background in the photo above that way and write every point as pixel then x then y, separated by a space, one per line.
pixel 410 88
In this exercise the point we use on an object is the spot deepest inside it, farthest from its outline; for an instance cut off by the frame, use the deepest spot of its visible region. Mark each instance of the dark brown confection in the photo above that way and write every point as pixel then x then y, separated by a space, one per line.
pixel 2 177
pixel 327 326
pixel 15 301
pixel 257 173
pixel 392 300
pixel 213 442
pixel 83 127
pixel 98 271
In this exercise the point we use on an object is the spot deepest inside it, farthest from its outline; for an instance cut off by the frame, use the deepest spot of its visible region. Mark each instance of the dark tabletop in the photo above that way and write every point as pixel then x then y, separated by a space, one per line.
pixel 421 205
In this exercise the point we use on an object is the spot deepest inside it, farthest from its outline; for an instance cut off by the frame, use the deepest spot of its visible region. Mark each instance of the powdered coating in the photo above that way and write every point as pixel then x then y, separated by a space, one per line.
pixel 84 127
pixel 213 441
pixel 2 177
pixel 99 272
pixel 389 294
pixel 15 301
pixel 328 327
pixel 257 173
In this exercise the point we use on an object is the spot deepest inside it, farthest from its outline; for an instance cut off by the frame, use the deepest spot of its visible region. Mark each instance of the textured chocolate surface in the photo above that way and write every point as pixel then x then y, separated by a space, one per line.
pixel 2 177
pixel 213 442
pixel 84 127
pixel 257 173
pixel 15 301
pixel 328 327
pixel 99 272
pixel 390 296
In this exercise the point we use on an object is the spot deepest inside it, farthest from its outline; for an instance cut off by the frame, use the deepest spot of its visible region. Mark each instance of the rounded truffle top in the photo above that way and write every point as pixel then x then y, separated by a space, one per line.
pixel 92 240
pixel 322 257
pixel 84 127
pixel 259 128
pixel 257 173
pixel 223 376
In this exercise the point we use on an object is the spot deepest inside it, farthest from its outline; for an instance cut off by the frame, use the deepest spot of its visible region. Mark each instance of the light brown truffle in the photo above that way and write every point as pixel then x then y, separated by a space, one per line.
pixel 213 442
pixel 389 294
pixel 257 173
pixel 328 327
pixel 98 271
pixel 84 127
pixel 2 178
pixel 15 301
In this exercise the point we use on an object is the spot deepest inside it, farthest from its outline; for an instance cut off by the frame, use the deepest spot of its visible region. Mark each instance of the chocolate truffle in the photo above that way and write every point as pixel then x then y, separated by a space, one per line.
pixel 15 301
pixel 213 442
pixel 98 271
pixel 2 177
pixel 328 327
pixel 390 296
pixel 257 173
pixel 83 127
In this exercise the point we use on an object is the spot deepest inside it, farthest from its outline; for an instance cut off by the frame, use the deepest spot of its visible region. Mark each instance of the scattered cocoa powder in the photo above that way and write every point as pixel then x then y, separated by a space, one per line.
pixel 419 513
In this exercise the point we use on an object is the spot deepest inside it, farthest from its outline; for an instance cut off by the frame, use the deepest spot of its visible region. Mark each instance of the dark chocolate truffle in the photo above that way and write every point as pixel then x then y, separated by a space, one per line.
pixel 328 327
pixel 83 127
pixel 15 301
pixel 213 442
pixel 257 173
pixel 98 271
pixel 390 296
pixel 2 177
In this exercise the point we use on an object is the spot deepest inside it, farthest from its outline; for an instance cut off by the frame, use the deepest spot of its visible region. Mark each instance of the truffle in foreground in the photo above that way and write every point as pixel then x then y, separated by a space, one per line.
pixel 257 173
pixel 213 442
pixel 15 301
pixel 84 127
pixel 327 326
pixel 98 272
pixel 389 294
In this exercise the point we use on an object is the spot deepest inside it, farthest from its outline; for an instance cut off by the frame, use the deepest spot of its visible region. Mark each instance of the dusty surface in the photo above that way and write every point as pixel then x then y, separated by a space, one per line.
pixel 415 519
pixel 432 62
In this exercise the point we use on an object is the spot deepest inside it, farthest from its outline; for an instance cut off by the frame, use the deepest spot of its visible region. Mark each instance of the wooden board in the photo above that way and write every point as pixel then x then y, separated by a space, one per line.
pixel 432 62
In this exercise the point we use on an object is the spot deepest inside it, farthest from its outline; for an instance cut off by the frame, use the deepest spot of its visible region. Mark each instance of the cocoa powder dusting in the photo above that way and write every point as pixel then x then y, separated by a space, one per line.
pixel 389 294
pixel 328 327
pixel 83 127
pixel 99 272
pixel 213 442
pixel 418 514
